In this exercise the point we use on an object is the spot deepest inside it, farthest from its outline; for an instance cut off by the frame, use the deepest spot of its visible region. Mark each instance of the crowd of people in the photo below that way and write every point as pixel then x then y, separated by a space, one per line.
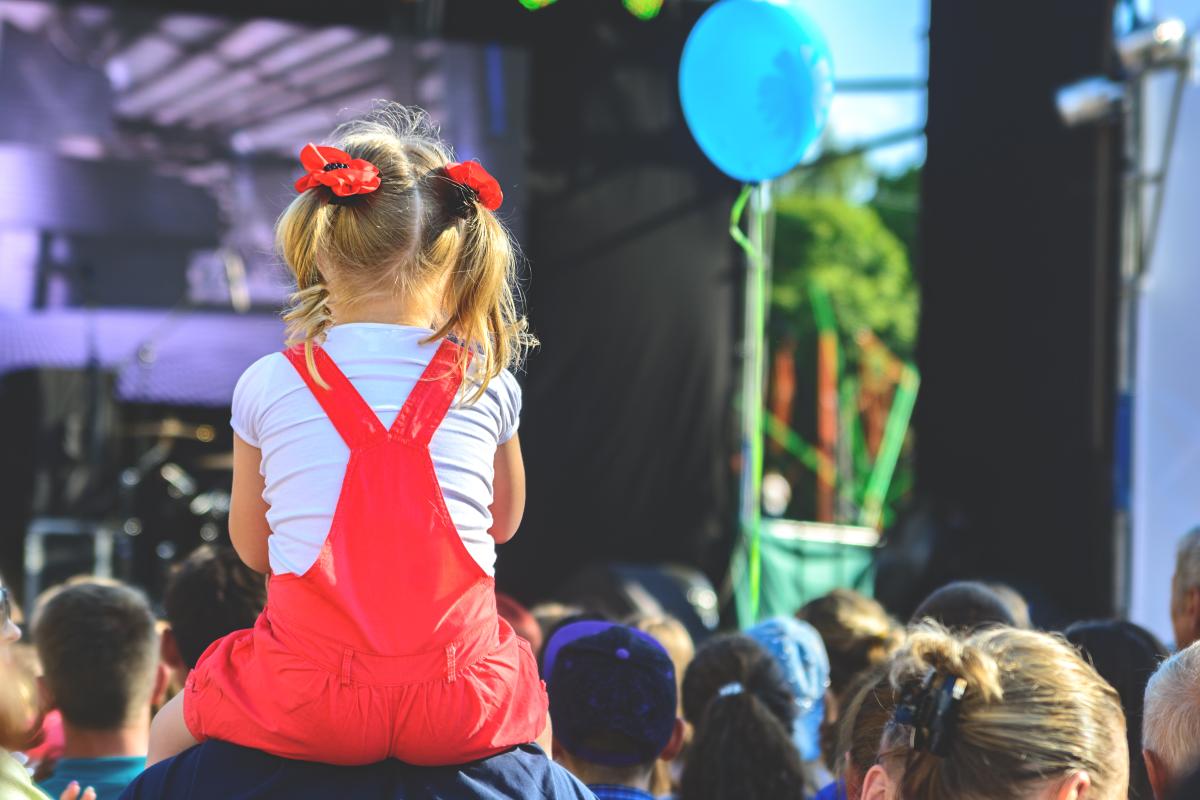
pixel 377 466
pixel 968 700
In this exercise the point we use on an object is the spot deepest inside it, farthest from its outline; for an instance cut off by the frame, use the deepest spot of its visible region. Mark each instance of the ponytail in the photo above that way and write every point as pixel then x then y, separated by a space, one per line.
pixel 300 229
pixel 742 709
pixel 480 305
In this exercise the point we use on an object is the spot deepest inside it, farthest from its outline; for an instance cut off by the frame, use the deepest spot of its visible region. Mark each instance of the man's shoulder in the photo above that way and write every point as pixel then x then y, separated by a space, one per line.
pixel 216 769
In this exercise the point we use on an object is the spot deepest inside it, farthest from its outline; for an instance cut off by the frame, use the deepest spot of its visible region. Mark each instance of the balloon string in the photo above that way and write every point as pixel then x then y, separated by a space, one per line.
pixel 735 225
pixel 751 522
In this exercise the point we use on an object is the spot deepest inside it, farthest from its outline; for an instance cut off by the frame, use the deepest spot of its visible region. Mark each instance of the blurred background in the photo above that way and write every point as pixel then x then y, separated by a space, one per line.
pixel 981 290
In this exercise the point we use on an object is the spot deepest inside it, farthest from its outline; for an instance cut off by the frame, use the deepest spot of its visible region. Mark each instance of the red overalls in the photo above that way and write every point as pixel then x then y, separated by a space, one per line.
pixel 390 644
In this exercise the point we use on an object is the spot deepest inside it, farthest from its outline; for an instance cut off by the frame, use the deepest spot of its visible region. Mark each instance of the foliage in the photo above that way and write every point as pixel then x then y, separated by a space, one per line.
pixel 862 265
pixel 897 201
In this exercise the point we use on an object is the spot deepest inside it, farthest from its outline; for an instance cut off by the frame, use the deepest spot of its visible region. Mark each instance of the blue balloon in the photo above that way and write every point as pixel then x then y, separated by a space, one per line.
pixel 756 81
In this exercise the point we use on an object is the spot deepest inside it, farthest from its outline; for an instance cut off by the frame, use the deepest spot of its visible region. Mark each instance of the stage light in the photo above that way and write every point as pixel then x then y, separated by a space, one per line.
pixel 644 9
pixel 1155 45
pixel 534 5
pixel 1089 100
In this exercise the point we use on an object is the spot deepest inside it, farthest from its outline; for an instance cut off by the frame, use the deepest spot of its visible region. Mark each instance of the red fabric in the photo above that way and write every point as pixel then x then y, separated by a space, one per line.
pixel 357 176
pixel 472 174
pixel 390 645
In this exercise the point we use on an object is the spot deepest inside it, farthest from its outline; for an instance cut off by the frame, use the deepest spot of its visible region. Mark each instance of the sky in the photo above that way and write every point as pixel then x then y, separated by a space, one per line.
pixel 873 39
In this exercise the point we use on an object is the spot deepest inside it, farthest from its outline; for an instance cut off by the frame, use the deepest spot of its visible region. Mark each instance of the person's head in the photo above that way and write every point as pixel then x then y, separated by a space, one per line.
pixel 965 606
pixel 738 700
pixel 1185 590
pixel 797 649
pixel 209 594
pixel 9 632
pixel 1017 605
pixel 872 700
pixel 1125 655
pixel 419 238
pixel 518 616
pixel 612 702
pixel 675 639
pixel 999 715
pixel 857 632
pixel 99 651
pixel 19 707
pixel 1171 720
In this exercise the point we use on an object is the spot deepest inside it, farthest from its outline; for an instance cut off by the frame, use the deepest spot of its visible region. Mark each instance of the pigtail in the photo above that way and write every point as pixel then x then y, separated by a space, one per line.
pixel 480 304
pixel 419 232
pixel 297 234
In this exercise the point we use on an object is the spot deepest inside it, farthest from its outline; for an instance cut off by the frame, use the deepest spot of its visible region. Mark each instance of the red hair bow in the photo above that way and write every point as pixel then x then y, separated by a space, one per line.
pixel 345 176
pixel 472 175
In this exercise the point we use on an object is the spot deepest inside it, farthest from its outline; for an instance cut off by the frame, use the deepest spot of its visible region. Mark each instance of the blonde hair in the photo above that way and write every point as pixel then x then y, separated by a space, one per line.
pixel 1033 711
pixel 405 239
pixel 857 631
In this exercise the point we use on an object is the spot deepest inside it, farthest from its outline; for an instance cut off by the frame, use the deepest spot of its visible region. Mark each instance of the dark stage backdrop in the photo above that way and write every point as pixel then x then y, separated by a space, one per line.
pixel 1017 270
pixel 628 403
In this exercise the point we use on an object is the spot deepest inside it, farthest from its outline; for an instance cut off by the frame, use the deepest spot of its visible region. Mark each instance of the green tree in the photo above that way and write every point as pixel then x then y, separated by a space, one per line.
pixel 897 201
pixel 855 258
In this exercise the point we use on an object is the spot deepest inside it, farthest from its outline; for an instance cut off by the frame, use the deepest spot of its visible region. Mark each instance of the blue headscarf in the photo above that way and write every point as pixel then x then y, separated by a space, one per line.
pixel 797 648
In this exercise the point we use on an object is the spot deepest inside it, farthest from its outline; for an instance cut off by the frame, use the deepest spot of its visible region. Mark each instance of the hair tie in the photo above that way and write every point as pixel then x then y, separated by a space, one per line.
pixel 480 185
pixel 730 689
pixel 932 712
pixel 335 169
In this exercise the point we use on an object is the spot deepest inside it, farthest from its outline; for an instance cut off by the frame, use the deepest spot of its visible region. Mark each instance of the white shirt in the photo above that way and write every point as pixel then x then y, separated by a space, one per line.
pixel 304 459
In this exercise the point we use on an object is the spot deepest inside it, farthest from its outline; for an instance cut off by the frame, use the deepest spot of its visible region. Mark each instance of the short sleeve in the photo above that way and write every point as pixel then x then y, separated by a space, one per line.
pixel 248 401
pixel 509 397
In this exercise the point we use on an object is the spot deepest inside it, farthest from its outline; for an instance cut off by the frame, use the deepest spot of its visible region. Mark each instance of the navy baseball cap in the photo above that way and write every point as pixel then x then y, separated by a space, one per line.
pixel 612 693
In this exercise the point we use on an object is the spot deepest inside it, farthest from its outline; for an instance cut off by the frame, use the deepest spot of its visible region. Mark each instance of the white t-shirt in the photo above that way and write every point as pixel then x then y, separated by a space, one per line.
pixel 304 459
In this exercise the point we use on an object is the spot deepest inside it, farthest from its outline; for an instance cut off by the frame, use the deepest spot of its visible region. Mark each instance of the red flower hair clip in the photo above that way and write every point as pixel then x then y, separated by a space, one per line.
pixel 472 175
pixel 345 176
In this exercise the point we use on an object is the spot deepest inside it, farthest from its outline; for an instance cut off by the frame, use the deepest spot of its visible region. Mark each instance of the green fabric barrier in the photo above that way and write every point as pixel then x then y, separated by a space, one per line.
pixel 800 562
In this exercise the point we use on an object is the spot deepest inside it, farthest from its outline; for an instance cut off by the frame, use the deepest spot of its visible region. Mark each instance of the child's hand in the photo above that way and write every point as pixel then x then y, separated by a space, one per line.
pixel 73 792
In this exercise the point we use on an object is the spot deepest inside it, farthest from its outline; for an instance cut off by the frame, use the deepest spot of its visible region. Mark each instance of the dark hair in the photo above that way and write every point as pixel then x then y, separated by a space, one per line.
pixel 99 650
pixel 1017 605
pixel 743 709
pixel 1125 655
pixel 211 593
pixel 965 606
pixel 857 631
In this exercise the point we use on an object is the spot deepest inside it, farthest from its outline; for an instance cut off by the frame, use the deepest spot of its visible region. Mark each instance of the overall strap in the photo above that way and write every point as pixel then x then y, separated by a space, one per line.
pixel 431 398
pixel 355 421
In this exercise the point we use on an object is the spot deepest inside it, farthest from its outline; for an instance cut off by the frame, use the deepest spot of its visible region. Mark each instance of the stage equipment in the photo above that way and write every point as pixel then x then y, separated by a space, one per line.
pixel 1017 264
pixel 1147 50
pixel 756 83
pixel 57 549
pixel 619 591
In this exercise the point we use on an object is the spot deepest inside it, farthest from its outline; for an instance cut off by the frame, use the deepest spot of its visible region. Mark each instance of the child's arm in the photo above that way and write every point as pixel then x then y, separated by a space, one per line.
pixel 248 529
pixel 508 491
